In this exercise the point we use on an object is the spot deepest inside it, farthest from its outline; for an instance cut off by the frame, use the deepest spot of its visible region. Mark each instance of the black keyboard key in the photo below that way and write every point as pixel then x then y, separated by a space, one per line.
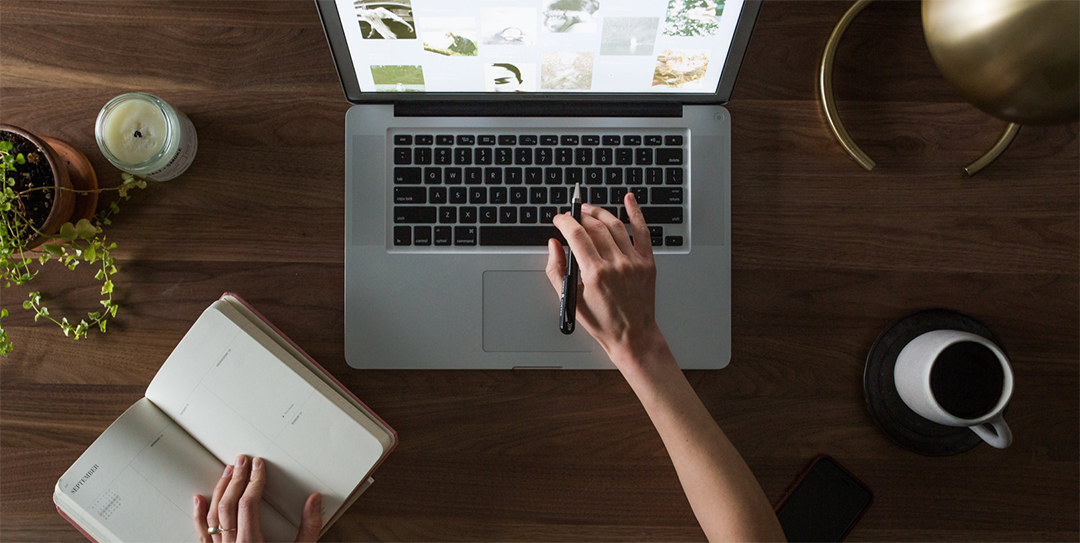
pixel 534 176
pixel 553 176
pixel 654 140
pixel 543 156
pixel 673 140
pixel 443 235
pixel 508 215
pixel 463 155
pixel 452 176
pixel 466 140
pixel 485 140
pixel 512 176
pixel 613 176
pixel 519 195
pixel 663 215
pixel 523 156
pixel 654 176
pixel 444 139
pixel 402 155
pixel 504 156
pixel 656 231
pixel 598 195
pixel 407 176
pixel 574 176
pixel 421 235
pixel 594 176
pixel 489 214
pixel 422 155
pixel 498 195
pixel 641 194
pixel 483 155
pixel 604 156
pixel 529 215
pixel 467 214
pixel 402 139
pixel 410 195
pixel 425 140
pixel 564 156
pixel 437 195
pixel 518 235
pixel 507 140
pixel 464 235
pixel 643 156
pixel 538 195
pixel 560 195
pixel 669 157
pixel 583 156
pixel 670 241
pixel 569 140
pixel 657 242
pixel 549 140
pixel 611 140
pixel 414 214
pixel 444 155
pixel 447 215
pixel 402 235
pixel 458 195
pixel 432 176
pixel 590 140
pixel 673 176
pixel 493 176
pixel 667 196
pixel 634 176
pixel 624 156
pixel 474 176
pixel 617 194
pixel 527 140
pixel 631 140
pixel 547 214
pixel 477 195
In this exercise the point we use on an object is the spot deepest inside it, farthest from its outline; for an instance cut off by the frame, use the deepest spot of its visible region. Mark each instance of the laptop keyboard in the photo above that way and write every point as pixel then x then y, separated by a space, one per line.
pixel 490 188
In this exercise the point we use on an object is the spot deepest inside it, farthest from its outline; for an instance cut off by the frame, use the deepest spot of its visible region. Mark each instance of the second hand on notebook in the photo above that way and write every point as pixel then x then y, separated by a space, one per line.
pixel 568 300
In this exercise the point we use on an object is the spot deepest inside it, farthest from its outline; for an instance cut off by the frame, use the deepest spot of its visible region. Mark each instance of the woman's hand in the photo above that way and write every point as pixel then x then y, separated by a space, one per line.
pixel 616 301
pixel 235 507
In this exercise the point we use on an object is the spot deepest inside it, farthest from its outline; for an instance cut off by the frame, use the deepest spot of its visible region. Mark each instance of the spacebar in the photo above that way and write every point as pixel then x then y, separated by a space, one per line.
pixel 518 235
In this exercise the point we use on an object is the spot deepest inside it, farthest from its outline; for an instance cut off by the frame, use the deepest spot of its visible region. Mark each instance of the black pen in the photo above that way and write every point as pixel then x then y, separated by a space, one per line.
pixel 568 300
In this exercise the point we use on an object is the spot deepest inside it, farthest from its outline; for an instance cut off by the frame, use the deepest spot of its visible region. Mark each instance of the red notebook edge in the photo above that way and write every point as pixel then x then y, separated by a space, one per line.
pixel 75 524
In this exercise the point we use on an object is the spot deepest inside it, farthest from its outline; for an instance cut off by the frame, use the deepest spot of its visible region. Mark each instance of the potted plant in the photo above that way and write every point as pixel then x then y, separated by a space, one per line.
pixel 48 199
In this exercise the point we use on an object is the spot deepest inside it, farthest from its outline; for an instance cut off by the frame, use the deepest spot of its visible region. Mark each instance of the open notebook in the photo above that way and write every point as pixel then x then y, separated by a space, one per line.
pixel 234 385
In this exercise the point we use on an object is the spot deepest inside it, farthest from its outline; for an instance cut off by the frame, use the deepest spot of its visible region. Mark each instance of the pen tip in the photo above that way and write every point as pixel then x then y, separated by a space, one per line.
pixel 577 191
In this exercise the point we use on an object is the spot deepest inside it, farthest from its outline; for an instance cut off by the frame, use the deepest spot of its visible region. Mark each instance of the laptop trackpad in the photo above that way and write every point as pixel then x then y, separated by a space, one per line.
pixel 521 314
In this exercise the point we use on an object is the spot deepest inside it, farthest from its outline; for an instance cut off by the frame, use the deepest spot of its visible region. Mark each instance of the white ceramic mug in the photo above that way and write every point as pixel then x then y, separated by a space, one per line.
pixel 916 364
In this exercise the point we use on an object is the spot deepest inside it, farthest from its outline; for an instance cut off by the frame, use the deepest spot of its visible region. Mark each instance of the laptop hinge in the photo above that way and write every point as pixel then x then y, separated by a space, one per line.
pixel 427 108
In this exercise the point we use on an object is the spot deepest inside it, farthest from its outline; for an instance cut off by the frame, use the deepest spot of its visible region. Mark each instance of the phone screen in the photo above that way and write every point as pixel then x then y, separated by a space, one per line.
pixel 824 505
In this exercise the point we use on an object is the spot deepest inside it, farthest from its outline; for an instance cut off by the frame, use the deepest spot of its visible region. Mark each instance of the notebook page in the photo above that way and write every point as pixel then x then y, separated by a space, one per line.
pixel 137 480
pixel 236 396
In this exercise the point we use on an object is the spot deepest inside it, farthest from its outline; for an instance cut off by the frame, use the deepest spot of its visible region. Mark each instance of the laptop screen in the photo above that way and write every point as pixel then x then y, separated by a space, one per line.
pixel 550 46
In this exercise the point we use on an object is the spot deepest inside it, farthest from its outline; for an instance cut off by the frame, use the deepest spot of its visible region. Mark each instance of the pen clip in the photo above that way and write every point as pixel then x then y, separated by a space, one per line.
pixel 567 308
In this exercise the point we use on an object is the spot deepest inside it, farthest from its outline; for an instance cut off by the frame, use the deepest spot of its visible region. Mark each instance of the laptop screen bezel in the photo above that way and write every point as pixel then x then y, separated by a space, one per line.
pixel 339 49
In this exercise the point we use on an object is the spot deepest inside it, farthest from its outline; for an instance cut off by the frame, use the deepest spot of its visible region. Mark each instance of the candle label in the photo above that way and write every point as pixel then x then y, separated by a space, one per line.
pixel 185 152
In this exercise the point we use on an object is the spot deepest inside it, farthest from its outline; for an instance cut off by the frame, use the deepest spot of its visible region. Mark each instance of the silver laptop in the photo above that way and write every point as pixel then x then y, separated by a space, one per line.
pixel 474 121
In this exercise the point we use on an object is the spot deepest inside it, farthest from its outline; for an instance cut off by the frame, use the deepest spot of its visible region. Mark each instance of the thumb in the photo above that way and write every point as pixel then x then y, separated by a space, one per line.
pixel 310 520
pixel 556 264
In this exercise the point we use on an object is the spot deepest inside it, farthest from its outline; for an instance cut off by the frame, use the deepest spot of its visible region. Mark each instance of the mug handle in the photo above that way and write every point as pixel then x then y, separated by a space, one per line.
pixel 1000 437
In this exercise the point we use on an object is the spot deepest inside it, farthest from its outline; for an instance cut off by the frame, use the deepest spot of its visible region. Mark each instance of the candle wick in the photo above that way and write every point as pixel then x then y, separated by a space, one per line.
pixel 138 134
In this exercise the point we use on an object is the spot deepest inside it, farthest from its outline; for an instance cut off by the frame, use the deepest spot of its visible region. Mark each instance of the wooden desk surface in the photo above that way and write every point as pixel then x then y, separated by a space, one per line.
pixel 825 255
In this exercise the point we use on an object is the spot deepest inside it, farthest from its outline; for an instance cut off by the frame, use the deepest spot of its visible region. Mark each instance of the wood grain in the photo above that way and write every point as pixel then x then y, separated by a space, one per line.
pixel 825 256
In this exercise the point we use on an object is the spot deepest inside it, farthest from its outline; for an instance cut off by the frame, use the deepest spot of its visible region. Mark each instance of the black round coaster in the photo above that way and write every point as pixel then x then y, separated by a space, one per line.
pixel 907 428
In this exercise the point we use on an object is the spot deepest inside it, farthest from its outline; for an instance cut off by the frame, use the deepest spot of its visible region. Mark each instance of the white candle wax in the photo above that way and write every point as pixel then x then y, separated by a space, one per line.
pixel 135 131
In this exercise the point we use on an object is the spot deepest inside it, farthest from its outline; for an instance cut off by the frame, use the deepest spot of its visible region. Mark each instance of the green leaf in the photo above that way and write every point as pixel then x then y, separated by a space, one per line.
pixel 53 249
pixel 68 232
pixel 101 325
pixel 94 315
pixel 107 288
pixel 27 304
pixel 3 313
pixel 112 310
pixel 85 230
pixel 6 146
pixel 91 254
pixel 100 275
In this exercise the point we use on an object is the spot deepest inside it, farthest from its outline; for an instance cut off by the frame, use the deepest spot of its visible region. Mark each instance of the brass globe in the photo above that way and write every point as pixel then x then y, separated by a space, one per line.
pixel 1018 60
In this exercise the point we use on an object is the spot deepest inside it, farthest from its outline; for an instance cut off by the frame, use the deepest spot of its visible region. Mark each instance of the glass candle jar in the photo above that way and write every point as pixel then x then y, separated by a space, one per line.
pixel 141 134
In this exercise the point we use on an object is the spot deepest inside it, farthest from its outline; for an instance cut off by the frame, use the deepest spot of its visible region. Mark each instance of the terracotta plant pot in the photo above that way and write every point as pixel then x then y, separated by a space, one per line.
pixel 64 201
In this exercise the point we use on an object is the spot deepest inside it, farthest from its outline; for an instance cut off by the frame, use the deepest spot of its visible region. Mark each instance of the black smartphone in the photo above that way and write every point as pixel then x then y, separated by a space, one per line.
pixel 823 504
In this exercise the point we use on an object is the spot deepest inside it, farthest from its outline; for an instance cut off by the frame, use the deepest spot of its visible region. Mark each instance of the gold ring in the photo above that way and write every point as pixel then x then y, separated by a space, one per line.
pixel 215 530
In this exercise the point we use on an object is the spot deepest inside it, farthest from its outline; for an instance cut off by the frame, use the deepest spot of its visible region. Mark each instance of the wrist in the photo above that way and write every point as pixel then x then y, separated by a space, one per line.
pixel 641 352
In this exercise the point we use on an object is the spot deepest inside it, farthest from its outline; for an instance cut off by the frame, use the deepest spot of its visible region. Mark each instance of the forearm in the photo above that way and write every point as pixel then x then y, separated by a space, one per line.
pixel 724 494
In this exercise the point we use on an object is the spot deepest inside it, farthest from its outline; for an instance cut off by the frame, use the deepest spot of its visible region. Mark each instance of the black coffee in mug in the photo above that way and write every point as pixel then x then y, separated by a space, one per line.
pixel 967 379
